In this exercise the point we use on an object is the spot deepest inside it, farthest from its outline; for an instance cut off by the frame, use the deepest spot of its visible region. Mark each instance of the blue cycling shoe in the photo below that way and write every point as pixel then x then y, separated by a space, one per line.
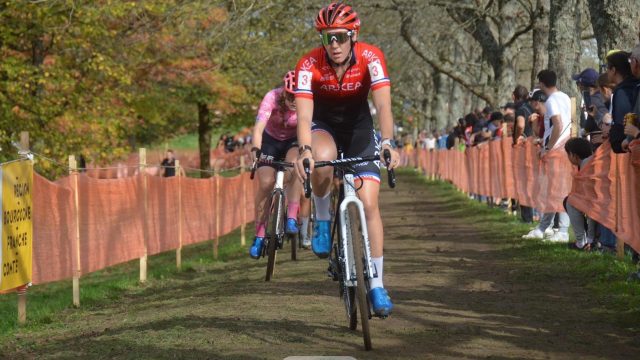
pixel 380 301
pixel 256 249
pixel 292 226
pixel 321 241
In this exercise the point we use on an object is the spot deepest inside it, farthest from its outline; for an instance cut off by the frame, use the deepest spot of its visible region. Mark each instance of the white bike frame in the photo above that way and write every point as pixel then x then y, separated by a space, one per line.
pixel 351 197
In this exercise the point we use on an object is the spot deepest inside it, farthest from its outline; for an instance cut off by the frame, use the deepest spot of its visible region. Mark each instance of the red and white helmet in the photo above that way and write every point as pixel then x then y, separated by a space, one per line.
pixel 337 16
pixel 290 82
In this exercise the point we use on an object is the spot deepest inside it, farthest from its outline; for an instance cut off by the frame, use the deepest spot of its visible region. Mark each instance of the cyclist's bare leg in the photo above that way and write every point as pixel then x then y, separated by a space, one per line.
pixel 266 179
pixel 293 186
pixel 368 193
pixel 324 149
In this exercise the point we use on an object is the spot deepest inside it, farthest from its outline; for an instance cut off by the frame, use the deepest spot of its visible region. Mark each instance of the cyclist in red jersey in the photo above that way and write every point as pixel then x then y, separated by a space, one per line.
pixel 333 84
pixel 274 135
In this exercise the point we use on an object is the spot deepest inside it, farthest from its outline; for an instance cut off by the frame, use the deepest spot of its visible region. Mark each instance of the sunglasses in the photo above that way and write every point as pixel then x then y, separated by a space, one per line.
pixel 340 37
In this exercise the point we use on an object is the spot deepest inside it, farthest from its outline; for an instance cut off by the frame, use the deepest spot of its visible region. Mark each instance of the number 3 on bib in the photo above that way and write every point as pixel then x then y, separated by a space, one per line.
pixel 376 72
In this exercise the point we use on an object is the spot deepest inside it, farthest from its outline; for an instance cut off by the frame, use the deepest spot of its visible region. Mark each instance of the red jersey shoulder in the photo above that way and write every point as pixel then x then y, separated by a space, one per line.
pixel 374 60
pixel 310 59
pixel 369 52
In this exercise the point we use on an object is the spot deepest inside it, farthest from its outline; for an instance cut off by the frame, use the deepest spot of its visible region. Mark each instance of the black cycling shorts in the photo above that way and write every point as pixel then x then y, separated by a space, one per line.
pixel 358 142
pixel 274 149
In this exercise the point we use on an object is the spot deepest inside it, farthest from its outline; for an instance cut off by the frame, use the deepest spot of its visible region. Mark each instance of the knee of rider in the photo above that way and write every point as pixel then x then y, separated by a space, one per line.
pixel 266 183
pixel 371 208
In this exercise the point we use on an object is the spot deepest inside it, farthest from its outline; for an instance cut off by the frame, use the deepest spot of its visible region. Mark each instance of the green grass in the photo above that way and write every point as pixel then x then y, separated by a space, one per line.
pixel 182 142
pixel 108 285
pixel 603 274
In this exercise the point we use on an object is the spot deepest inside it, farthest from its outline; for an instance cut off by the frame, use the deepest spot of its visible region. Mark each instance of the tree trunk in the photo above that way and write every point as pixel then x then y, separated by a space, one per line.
pixel 456 99
pixel 564 42
pixel 540 41
pixel 615 24
pixel 457 104
pixel 439 108
pixel 204 138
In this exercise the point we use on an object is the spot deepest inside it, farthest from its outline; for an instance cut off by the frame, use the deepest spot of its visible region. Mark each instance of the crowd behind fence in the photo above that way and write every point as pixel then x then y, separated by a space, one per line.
pixel 606 189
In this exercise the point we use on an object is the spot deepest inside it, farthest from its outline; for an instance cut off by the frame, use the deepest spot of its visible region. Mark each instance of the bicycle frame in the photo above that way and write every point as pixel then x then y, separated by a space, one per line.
pixel 351 197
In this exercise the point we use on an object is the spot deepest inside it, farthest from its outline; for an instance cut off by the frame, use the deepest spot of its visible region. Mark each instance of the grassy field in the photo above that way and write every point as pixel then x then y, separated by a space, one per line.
pixel 603 273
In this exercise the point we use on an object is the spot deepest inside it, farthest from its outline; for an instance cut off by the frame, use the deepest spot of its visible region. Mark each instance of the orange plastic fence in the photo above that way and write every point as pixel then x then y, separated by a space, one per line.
pixel 606 189
pixel 115 225
pixel 188 159
pixel 53 244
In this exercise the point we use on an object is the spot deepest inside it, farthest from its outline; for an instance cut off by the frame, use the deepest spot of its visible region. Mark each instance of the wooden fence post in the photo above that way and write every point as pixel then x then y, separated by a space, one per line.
pixel 179 249
pixel 216 176
pixel 22 290
pixel 143 172
pixel 619 242
pixel 243 227
pixel 22 304
pixel 73 172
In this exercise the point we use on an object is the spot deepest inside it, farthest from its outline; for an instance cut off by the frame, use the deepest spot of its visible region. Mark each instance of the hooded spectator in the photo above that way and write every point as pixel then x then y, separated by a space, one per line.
pixel 624 95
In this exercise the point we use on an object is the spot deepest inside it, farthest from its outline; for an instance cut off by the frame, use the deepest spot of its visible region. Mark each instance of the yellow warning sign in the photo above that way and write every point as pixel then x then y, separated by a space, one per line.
pixel 16 223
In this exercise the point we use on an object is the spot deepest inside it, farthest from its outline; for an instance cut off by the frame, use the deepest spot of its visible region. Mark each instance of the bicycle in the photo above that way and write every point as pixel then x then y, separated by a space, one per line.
pixel 275 234
pixel 350 259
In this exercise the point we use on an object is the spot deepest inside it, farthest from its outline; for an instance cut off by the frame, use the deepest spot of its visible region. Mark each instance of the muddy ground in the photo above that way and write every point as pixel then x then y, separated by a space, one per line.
pixel 458 294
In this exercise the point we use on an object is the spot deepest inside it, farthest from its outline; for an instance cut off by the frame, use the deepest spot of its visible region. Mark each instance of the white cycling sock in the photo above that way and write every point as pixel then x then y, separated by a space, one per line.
pixel 322 207
pixel 304 226
pixel 377 281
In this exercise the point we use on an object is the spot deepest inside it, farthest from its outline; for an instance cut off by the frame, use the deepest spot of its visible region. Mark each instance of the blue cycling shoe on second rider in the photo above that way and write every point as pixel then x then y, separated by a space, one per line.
pixel 321 241
pixel 292 226
pixel 256 249
pixel 380 301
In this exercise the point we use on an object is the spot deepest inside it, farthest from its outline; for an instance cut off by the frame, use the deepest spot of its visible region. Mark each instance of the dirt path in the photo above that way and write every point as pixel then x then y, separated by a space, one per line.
pixel 457 295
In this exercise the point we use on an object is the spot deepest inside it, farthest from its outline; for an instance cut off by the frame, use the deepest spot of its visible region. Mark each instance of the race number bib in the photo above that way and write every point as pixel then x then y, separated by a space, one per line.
pixel 304 80
pixel 375 69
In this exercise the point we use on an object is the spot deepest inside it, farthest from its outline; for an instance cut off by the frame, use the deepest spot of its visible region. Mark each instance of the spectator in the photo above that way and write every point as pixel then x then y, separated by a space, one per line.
pixel 586 82
pixel 229 144
pixel 422 137
pixel 430 142
pixel 522 126
pixel 508 109
pixel 480 129
pixel 537 99
pixel 624 95
pixel 470 121
pixel 495 125
pixel 599 119
pixel 580 153
pixel 168 165
pixel 442 139
pixel 543 108
pixel 632 130
pixel 557 120
pixel 509 119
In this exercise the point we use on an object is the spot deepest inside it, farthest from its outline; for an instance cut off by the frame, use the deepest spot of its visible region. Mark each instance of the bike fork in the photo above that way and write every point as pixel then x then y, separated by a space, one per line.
pixel 350 197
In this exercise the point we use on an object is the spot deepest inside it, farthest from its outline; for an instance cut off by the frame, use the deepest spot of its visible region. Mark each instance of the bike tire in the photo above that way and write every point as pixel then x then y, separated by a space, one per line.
pixel 361 285
pixel 275 225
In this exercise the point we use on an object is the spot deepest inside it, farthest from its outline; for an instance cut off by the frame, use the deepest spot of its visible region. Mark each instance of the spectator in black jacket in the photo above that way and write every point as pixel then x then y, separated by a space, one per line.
pixel 522 128
pixel 633 130
pixel 624 95
pixel 593 102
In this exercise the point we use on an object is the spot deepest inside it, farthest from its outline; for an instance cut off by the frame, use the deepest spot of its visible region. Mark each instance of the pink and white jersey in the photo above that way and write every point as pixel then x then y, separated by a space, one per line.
pixel 280 125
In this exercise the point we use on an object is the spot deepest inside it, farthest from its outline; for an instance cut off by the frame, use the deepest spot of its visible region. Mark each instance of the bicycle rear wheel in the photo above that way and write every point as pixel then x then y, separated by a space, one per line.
pixel 275 233
pixel 361 285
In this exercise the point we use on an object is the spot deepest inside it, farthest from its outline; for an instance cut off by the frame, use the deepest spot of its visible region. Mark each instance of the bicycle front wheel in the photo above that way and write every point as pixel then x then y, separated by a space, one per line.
pixel 361 285
pixel 275 233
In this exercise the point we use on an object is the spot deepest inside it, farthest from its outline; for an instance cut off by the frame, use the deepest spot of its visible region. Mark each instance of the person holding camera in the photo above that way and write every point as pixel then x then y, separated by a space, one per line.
pixel 594 108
